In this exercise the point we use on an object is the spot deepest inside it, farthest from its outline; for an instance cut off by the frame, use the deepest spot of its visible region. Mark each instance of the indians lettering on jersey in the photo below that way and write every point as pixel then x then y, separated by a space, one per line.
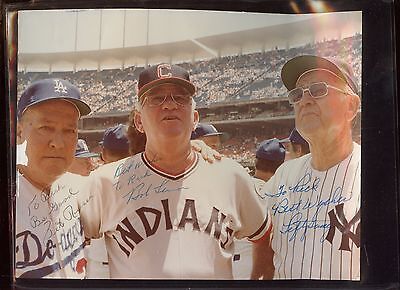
pixel 49 236
pixel 155 225
pixel 130 237
pixel 316 219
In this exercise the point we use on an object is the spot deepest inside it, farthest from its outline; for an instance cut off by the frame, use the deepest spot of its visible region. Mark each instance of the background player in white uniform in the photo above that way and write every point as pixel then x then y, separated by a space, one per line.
pixel 49 240
pixel 315 199
pixel 166 213
pixel 270 155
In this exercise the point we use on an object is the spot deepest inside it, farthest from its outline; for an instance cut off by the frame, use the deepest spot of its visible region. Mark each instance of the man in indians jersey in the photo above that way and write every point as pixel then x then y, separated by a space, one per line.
pixel 49 240
pixel 166 213
pixel 314 200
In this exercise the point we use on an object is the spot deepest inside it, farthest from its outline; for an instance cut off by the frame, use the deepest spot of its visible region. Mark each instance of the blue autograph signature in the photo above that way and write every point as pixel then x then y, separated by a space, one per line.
pixel 142 190
pixel 125 168
pixel 297 224
pixel 284 206
pixel 305 184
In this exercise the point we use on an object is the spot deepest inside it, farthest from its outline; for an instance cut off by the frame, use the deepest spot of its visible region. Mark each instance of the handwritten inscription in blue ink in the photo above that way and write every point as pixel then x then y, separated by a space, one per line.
pixel 125 168
pixel 138 184
pixel 297 223
pixel 162 188
pixel 302 204
pixel 285 206
pixel 142 190
pixel 137 192
pixel 305 184
pixel 281 192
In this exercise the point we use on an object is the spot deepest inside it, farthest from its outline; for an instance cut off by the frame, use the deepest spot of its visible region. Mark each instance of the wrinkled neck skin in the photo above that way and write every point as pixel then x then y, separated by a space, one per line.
pixel 170 157
pixel 330 150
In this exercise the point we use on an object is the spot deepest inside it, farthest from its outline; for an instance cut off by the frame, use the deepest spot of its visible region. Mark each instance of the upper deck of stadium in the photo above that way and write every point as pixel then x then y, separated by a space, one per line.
pixel 81 40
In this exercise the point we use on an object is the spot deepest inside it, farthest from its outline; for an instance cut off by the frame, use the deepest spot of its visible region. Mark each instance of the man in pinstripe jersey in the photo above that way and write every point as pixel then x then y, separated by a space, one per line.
pixel 314 200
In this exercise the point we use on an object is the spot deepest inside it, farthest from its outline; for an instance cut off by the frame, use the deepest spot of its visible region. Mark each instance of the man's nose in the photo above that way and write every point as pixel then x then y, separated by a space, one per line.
pixel 307 98
pixel 57 140
pixel 169 102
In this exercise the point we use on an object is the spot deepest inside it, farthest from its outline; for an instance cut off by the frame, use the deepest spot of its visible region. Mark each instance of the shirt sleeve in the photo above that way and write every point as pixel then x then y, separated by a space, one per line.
pixel 253 213
pixel 90 206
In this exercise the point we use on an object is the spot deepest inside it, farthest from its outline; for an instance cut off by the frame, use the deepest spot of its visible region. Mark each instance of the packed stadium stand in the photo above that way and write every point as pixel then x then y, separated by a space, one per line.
pixel 240 94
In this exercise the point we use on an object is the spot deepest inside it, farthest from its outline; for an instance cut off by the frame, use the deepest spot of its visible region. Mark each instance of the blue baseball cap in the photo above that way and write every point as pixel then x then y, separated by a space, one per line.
pixel 205 130
pixel 115 138
pixel 295 138
pixel 51 89
pixel 82 150
pixel 271 149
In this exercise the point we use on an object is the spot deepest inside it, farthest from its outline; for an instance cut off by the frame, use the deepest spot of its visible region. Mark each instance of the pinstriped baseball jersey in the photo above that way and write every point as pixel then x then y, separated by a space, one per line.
pixel 316 219
pixel 163 226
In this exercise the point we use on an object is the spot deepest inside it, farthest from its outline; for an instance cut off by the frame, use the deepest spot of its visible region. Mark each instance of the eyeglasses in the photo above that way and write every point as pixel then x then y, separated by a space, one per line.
pixel 159 99
pixel 316 90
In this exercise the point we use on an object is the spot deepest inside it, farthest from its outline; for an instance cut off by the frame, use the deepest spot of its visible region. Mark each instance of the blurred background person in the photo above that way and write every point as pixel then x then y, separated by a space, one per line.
pixel 83 163
pixel 137 139
pixel 209 134
pixel 115 144
pixel 296 146
pixel 270 155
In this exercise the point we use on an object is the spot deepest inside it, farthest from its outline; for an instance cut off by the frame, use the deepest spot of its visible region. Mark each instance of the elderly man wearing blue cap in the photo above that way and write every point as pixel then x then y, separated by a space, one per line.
pixel 49 240
pixel 315 200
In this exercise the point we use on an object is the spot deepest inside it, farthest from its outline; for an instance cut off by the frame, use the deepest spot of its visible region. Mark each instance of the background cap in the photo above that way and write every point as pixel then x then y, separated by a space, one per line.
pixel 294 137
pixel 295 67
pixel 163 74
pixel 271 149
pixel 204 130
pixel 50 89
pixel 115 138
pixel 82 150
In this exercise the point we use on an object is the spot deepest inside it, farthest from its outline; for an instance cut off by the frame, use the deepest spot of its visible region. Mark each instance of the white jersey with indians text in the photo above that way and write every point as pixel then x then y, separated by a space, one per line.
pixel 49 240
pixel 316 219
pixel 172 227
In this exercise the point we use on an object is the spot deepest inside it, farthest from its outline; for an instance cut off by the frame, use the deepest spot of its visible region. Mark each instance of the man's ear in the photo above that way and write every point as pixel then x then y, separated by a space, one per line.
pixel 20 136
pixel 354 105
pixel 196 118
pixel 297 149
pixel 137 119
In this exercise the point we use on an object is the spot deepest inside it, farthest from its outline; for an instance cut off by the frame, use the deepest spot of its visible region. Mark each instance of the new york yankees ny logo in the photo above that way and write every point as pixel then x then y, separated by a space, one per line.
pixel 59 87
pixel 339 221
pixel 164 70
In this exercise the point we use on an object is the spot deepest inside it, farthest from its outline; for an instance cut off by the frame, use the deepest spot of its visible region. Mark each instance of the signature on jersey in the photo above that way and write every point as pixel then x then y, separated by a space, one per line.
pixel 297 223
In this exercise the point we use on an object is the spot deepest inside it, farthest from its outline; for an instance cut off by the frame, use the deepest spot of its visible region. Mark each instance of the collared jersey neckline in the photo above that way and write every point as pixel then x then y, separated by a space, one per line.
pixel 171 176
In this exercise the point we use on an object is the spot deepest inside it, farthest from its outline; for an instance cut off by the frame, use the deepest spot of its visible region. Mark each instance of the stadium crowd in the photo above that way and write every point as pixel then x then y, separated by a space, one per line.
pixel 226 79
pixel 229 78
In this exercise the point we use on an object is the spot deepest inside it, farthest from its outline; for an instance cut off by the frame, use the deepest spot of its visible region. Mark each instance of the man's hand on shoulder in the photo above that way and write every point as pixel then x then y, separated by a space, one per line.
pixel 206 151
